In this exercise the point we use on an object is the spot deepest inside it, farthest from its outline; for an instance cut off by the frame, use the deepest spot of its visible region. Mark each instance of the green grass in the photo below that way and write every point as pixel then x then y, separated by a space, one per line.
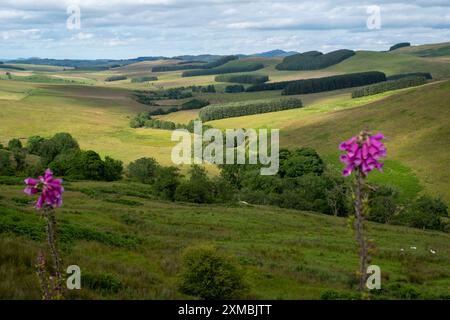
pixel 129 251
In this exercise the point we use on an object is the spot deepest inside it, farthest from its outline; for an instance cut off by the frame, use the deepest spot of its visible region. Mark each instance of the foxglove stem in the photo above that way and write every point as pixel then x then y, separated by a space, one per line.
pixel 50 217
pixel 359 229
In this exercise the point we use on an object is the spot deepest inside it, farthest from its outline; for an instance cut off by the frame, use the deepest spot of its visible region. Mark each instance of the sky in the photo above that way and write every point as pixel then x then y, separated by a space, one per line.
pixel 113 29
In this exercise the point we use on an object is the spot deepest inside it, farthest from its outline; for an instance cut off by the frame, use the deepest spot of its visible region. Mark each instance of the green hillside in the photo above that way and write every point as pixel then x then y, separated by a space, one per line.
pixel 129 246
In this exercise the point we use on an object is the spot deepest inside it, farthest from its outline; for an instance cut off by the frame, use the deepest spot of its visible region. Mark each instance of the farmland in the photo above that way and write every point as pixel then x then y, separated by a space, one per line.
pixel 125 230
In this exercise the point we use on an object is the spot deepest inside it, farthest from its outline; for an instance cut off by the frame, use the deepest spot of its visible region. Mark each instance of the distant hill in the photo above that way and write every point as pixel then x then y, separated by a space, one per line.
pixel 275 54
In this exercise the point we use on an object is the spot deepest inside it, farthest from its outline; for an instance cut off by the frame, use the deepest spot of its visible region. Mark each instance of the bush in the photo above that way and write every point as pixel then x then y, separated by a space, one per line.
pixel 236 88
pixel 113 169
pixel 238 109
pixel 243 78
pixel 6 168
pixel 116 78
pixel 14 144
pixel 424 213
pixel 314 60
pixel 388 86
pixel 210 275
pixel 333 82
pixel 166 182
pixel 92 165
pixel 194 104
pixel 399 45
pixel 382 204
pixel 197 189
pixel 300 162
pixel 143 170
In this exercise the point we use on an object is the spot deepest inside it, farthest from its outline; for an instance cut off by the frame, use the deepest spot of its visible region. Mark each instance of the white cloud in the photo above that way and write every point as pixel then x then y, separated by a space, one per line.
pixel 173 27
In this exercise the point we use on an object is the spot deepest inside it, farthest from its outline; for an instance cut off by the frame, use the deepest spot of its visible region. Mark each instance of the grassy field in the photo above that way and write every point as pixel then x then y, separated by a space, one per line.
pixel 131 244
pixel 115 230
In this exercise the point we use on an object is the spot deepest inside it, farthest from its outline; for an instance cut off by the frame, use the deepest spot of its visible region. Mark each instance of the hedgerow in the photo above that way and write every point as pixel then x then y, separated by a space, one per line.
pixel 116 78
pixel 388 86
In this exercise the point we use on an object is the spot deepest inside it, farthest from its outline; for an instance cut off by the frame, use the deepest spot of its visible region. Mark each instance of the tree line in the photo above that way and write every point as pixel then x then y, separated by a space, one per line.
pixel 388 86
pixel 243 78
pixel 237 109
pixel 314 60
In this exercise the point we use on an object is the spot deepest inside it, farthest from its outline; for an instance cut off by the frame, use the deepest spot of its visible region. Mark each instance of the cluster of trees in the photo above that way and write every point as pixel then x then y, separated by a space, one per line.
pixel 149 97
pixel 167 182
pixel 388 86
pixel 314 60
pixel 62 154
pixel 399 45
pixel 116 78
pixel 145 120
pixel 235 68
pixel 243 78
pixel 144 79
pixel 194 104
pixel 333 82
pixel 425 75
pixel 185 66
pixel 238 109
pixel 235 88
pixel 204 89
pixel 320 84
pixel 304 182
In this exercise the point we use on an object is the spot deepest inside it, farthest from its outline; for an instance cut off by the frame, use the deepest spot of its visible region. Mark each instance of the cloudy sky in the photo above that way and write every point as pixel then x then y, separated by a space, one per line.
pixel 131 28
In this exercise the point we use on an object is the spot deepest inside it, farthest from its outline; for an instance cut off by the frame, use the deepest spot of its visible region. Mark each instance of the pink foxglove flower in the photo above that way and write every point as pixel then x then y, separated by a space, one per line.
pixel 363 152
pixel 51 190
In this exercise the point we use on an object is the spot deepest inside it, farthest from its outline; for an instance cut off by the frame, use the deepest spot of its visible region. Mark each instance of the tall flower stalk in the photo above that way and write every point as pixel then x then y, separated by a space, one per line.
pixel 362 155
pixel 50 198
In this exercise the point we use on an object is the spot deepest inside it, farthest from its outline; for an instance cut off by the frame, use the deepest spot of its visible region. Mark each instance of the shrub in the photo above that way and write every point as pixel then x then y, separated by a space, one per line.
pixel 197 189
pixel 143 170
pixel 102 282
pixel 238 109
pixel 399 45
pixel 194 104
pixel 333 82
pixel 6 168
pixel 92 165
pixel 210 275
pixel 113 169
pixel 425 213
pixel 314 60
pixel 300 162
pixel 116 78
pixel 14 144
pixel 388 86
pixel 34 143
pixel 382 204
pixel 64 142
pixel 166 182
pixel 243 78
